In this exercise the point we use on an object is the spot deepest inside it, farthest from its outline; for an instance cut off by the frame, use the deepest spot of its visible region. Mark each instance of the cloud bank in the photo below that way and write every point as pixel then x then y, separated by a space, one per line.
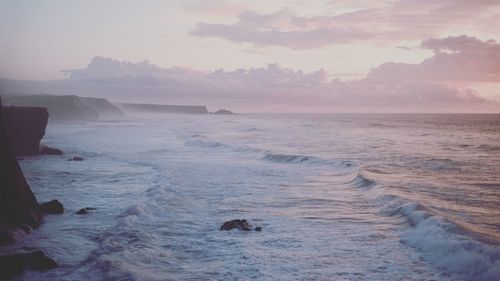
pixel 390 21
pixel 391 87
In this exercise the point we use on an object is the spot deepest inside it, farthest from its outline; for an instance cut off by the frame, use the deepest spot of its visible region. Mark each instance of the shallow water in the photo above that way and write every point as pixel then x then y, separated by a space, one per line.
pixel 339 197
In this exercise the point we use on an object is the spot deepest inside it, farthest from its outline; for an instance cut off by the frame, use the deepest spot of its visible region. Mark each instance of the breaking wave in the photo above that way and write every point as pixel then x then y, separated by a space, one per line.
pixel 297 159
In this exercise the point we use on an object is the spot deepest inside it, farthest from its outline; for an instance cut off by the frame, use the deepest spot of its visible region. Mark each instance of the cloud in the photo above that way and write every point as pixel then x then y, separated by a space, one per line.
pixel 390 21
pixel 281 28
pixel 388 87
pixel 456 59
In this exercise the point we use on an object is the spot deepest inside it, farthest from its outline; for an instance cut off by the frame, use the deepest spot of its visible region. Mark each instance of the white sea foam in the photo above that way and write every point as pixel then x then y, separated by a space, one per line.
pixel 445 249
pixel 162 188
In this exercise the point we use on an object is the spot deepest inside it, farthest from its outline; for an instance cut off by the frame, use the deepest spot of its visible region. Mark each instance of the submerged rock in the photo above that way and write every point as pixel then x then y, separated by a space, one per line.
pixel 237 223
pixel 14 265
pixel 52 207
pixel 82 211
pixel 50 151
pixel 76 158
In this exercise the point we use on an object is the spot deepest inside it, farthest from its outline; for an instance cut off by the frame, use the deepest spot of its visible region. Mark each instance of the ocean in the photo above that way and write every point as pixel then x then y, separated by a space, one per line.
pixel 338 197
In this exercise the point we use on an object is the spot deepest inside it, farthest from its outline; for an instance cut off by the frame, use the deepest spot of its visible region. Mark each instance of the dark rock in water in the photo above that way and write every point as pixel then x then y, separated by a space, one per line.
pixel 223 112
pixel 18 206
pixel 258 228
pixel 239 224
pixel 82 211
pixel 76 158
pixel 14 265
pixel 52 207
pixel 24 127
pixel 50 151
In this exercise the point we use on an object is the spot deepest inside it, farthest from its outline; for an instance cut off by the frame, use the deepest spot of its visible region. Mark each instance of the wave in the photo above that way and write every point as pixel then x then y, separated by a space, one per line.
pixel 288 158
pixel 440 241
pixel 434 237
pixel 297 159
pixel 488 147
pixel 202 141
pixel 362 181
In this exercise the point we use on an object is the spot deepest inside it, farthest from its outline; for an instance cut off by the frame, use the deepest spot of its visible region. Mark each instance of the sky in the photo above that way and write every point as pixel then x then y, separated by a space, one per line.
pixel 286 55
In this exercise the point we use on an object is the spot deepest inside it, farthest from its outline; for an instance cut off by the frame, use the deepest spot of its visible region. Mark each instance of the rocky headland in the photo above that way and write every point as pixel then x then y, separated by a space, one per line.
pixel 19 209
pixel 68 108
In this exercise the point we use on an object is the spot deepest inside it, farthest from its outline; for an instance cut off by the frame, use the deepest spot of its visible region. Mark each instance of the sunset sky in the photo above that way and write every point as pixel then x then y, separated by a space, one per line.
pixel 439 46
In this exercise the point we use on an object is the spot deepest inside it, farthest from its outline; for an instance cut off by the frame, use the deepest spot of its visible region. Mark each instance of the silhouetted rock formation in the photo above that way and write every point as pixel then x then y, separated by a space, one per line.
pixel 160 108
pixel 14 265
pixel 52 207
pixel 84 211
pixel 68 108
pixel 224 112
pixel 49 150
pixel 76 158
pixel 239 224
pixel 18 206
pixel 25 127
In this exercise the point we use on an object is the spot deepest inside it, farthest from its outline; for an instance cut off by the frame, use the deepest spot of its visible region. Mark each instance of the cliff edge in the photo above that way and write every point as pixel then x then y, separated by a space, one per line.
pixel 24 128
pixel 18 206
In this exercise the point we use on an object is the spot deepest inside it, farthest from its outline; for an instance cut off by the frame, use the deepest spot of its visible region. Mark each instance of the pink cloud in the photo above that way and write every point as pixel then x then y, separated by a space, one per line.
pixel 390 21
pixel 389 87
pixel 456 59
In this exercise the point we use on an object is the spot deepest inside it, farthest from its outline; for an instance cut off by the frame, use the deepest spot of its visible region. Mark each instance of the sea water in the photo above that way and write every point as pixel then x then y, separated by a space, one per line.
pixel 338 197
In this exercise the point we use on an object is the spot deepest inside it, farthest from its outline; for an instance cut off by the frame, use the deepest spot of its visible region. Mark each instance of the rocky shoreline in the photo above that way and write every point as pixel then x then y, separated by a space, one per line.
pixel 19 208
pixel 21 130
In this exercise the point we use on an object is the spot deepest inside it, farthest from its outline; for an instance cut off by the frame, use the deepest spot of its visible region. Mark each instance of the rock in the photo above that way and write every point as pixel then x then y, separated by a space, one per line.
pixel 52 207
pixel 76 158
pixel 258 228
pixel 14 265
pixel 6 237
pixel 24 127
pixel 82 211
pixel 239 224
pixel 50 151
pixel 223 112
pixel 19 208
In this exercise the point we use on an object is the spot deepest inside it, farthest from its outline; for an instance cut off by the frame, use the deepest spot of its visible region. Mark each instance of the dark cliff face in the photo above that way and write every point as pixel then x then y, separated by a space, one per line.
pixel 18 206
pixel 24 127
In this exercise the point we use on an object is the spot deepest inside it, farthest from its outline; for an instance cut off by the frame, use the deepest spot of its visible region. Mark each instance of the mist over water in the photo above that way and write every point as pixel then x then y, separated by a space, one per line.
pixel 339 197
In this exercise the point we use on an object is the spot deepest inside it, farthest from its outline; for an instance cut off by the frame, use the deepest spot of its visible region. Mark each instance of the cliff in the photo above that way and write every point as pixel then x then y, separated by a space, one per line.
pixel 69 107
pixel 18 206
pixel 102 106
pixel 24 128
pixel 161 108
